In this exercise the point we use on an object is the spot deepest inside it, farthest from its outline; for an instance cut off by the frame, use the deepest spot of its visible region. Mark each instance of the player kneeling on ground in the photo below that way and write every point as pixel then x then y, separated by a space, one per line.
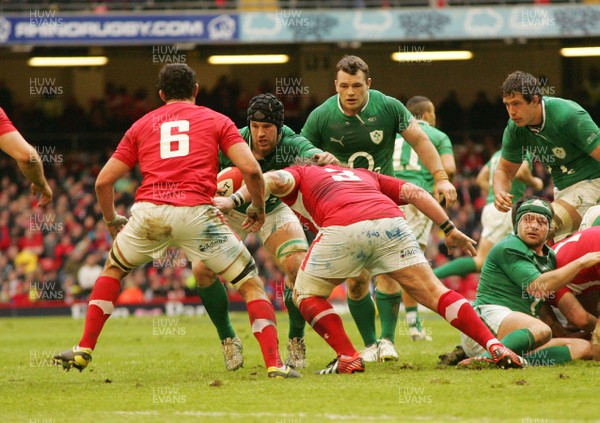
pixel 517 276
pixel 361 227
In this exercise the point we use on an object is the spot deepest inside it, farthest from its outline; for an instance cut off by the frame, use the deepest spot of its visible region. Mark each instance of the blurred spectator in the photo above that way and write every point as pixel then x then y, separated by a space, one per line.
pixel 481 114
pixel 450 115
pixel 87 275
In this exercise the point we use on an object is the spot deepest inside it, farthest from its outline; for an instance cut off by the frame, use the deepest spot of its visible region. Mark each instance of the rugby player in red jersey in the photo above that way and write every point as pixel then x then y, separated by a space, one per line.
pixel 176 147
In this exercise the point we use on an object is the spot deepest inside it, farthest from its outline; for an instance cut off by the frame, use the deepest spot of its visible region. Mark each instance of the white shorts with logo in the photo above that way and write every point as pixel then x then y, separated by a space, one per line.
pixel 581 196
pixel 419 223
pixel 279 217
pixel 492 316
pixel 200 231
pixel 380 246
pixel 496 225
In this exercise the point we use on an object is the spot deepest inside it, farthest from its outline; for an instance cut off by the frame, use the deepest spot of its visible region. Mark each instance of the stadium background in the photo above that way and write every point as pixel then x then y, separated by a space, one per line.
pixel 75 116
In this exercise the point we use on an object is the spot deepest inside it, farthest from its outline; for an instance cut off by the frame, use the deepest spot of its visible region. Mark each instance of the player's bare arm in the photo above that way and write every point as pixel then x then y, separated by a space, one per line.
pixel 483 179
pixel 326 158
pixel 549 282
pixel 426 151
pixel 29 163
pixel 242 157
pixel 449 165
pixel 423 201
pixel 503 175
pixel 524 175
pixel 278 182
pixel 596 153
pixel 112 171
pixel 576 314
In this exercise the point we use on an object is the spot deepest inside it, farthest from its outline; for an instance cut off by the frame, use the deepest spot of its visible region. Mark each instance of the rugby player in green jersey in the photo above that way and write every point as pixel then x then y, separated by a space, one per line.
pixel 562 136
pixel 359 126
pixel 274 146
pixel 518 274
pixel 409 167
pixel 495 224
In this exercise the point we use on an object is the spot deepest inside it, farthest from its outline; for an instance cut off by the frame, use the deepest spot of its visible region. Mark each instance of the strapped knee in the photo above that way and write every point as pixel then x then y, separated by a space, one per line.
pixel 291 246
pixel 566 219
pixel 242 269
pixel 311 286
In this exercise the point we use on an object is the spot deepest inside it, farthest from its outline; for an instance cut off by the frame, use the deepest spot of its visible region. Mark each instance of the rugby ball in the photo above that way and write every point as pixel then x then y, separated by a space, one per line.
pixel 229 180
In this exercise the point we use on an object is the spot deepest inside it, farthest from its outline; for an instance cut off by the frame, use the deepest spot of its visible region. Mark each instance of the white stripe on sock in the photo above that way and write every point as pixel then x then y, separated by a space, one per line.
pixel 321 315
pixel 452 309
pixel 259 324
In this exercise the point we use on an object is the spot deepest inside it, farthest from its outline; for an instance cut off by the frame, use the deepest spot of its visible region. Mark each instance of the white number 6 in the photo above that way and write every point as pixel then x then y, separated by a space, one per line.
pixel 167 137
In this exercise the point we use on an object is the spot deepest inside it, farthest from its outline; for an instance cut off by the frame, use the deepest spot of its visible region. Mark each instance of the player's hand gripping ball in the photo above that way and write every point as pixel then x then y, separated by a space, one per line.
pixel 229 180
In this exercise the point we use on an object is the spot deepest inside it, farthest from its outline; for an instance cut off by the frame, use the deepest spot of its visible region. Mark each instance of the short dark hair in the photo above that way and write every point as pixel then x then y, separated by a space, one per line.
pixel 524 83
pixel 351 65
pixel 177 81
pixel 418 105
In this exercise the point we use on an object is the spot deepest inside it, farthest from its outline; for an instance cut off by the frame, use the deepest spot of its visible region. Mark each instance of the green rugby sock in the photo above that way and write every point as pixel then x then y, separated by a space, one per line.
pixel 297 322
pixel 412 317
pixel 216 303
pixel 460 267
pixel 363 313
pixel 549 356
pixel 388 306
pixel 521 341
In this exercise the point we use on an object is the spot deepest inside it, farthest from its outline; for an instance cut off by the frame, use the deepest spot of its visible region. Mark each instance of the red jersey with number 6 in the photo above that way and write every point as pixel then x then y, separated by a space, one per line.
pixel 335 196
pixel 6 125
pixel 572 248
pixel 177 148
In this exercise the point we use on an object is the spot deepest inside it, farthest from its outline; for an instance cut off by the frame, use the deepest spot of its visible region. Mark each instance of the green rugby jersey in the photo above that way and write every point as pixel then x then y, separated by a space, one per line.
pixel 285 153
pixel 407 164
pixel 563 143
pixel 507 272
pixel 365 140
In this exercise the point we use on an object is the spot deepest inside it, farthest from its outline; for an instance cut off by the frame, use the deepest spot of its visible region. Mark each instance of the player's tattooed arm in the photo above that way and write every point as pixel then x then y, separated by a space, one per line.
pixel 279 182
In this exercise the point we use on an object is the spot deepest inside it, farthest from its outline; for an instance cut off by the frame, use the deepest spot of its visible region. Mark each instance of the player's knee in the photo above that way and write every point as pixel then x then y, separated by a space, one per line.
pixel 308 285
pixel 241 270
pixel 203 275
pixel 580 349
pixel 541 333
pixel 357 289
pixel 566 219
pixel 291 263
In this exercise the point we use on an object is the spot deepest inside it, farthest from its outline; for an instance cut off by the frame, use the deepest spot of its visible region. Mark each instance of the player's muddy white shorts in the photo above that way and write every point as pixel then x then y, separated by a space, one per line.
pixel 200 231
pixel 419 223
pixel 581 196
pixel 496 225
pixel 492 316
pixel 380 246
pixel 280 217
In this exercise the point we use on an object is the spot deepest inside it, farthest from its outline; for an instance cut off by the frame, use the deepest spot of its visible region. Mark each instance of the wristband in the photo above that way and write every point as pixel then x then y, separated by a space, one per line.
pixel 111 222
pixel 447 227
pixel 237 199
pixel 440 175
